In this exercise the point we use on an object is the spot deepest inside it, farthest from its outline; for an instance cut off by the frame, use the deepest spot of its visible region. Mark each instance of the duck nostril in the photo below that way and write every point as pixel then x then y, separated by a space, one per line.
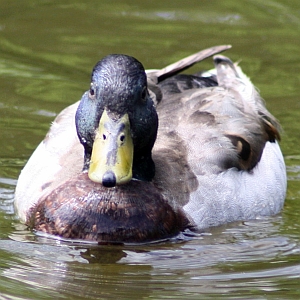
pixel 109 179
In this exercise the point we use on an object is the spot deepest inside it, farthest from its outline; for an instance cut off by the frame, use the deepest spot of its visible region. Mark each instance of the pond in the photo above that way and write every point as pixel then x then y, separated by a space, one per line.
pixel 47 51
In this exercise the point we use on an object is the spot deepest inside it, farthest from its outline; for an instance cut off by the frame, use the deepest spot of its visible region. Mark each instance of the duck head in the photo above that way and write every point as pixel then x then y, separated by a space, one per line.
pixel 116 123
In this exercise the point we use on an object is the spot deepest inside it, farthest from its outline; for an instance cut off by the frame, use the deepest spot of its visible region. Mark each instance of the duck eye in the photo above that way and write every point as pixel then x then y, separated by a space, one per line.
pixel 92 91
pixel 122 138
pixel 104 137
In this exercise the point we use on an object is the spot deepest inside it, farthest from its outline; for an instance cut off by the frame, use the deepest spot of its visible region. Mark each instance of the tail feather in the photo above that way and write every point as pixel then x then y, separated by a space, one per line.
pixel 158 75
pixel 231 76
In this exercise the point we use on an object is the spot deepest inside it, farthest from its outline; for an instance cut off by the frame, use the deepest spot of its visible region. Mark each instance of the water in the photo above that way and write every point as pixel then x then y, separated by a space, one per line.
pixel 47 50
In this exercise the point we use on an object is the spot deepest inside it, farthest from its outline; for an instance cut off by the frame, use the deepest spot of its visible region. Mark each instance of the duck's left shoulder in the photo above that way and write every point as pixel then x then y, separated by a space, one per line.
pixel 225 125
pixel 221 144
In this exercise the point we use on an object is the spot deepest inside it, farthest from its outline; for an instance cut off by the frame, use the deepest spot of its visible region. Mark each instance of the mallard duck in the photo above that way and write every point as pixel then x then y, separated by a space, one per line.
pixel 146 155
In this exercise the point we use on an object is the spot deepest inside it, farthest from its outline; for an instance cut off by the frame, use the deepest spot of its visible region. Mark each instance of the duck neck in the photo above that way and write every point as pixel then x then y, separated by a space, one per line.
pixel 143 167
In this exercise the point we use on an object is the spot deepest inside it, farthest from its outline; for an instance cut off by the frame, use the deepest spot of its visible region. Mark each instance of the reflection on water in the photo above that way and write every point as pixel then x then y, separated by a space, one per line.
pixel 47 50
pixel 235 259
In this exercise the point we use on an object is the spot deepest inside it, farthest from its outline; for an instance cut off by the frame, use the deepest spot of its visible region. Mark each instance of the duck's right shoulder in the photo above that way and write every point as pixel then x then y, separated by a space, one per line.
pixel 57 158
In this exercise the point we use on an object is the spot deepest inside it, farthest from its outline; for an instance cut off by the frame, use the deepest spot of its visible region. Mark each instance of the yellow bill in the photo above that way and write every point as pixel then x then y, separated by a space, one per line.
pixel 112 153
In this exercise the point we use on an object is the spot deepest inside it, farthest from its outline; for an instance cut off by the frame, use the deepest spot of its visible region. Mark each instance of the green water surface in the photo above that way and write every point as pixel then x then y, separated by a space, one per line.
pixel 47 51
